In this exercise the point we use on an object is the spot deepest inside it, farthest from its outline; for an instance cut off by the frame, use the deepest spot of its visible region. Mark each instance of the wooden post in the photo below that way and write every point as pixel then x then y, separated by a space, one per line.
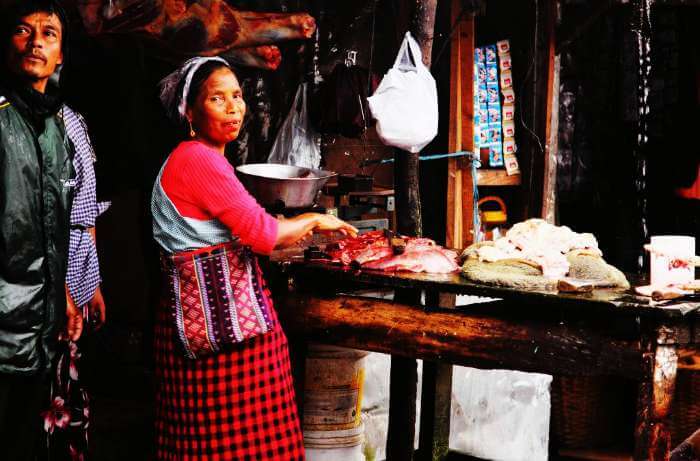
pixel 407 193
pixel 436 398
pixel 461 135
pixel 552 121
pixel 404 372
pixel 454 143
pixel 652 436
pixel 406 179
pixel 436 406
pixel 539 102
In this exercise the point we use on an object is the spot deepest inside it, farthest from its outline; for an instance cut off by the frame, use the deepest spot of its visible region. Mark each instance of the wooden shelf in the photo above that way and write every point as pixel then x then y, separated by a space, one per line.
pixel 487 177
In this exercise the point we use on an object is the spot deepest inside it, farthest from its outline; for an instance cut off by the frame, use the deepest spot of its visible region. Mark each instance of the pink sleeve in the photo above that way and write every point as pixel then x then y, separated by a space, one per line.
pixel 216 189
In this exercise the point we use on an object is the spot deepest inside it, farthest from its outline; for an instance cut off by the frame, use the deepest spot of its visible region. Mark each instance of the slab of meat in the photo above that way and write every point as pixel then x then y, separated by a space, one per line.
pixel 539 242
pixel 373 250
pixel 433 260
pixel 266 57
pixel 363 246
pixel 207 27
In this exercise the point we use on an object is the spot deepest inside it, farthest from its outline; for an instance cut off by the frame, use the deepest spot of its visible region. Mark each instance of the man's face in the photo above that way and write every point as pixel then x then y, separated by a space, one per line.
pixel 35 48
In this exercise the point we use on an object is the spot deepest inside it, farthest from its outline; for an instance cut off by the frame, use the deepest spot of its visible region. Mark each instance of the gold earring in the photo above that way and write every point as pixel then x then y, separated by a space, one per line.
pixel 192 133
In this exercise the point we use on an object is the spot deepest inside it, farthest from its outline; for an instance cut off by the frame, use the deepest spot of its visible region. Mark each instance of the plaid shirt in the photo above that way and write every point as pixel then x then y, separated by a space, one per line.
pixel 83 276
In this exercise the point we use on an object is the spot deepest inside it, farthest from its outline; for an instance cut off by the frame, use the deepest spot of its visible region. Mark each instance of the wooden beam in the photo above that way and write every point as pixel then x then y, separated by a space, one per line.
pixel 497 177
pixel 520 343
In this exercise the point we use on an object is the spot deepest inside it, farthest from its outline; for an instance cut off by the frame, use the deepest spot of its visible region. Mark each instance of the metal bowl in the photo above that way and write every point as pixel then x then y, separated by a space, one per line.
pixel 283 186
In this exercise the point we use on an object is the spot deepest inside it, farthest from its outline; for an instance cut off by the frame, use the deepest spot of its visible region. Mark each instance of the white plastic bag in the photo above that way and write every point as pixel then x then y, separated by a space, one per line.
pixel 296 142
pixel 405 104
pixel 500 414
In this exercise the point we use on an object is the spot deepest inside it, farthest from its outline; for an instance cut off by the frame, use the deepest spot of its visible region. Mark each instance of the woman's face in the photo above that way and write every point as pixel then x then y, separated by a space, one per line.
pixel 219 109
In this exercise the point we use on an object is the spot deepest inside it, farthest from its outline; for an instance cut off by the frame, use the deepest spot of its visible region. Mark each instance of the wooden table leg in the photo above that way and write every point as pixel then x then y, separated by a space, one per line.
pixel 436 406
pixel 652 437
pixel 436 396
pixel 402 409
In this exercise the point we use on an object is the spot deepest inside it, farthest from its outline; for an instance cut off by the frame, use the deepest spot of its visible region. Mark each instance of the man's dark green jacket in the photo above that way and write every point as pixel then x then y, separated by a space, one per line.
pixel 36 181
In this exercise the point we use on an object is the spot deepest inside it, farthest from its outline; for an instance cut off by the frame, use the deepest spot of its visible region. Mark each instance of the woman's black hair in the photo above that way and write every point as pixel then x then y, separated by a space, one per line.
pixel 201 76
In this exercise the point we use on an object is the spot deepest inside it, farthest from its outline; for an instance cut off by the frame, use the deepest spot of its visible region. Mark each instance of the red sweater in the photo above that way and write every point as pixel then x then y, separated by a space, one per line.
pixel 202 185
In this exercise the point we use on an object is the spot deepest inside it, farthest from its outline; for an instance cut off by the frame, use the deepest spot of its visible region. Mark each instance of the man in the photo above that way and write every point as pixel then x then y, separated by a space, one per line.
pixel 36 178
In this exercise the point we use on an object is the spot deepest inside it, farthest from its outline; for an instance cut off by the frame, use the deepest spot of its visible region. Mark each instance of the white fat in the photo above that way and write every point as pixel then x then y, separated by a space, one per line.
pixel 544 244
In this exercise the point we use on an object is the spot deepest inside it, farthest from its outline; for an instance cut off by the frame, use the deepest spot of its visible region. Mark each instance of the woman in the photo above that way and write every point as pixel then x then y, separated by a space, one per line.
pixel 237 404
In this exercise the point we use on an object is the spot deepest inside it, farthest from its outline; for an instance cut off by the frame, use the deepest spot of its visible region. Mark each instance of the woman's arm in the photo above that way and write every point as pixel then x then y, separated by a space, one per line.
pixel 290 231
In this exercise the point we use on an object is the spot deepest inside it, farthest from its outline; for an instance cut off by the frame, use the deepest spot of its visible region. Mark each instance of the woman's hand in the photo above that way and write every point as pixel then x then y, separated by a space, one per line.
pixel 291 230
pixel 329 223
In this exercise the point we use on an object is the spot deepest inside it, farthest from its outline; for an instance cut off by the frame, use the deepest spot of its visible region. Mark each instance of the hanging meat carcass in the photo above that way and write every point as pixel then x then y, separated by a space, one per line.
pixel 207 27
pixel 263 57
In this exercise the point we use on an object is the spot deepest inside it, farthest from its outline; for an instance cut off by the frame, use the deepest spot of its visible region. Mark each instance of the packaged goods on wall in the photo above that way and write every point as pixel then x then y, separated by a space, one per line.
pixel 494 105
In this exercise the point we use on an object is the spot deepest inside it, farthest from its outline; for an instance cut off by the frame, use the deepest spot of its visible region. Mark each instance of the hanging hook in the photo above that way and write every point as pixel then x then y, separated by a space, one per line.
pixel 351 58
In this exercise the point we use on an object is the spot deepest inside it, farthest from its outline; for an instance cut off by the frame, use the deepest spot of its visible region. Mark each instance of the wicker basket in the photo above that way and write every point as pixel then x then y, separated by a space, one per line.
pixel 586 412
pixel 685 413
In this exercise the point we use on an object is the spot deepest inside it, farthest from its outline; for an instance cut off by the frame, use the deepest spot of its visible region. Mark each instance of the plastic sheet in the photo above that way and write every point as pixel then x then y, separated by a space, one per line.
pixel 500 414
pixel 296 143
pixel 496 414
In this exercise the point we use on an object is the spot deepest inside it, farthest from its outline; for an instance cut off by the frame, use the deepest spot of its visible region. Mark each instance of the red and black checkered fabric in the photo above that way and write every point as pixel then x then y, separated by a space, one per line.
pixel 236 405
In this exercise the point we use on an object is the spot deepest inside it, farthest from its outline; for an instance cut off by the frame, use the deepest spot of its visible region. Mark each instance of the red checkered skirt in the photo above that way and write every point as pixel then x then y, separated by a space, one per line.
pixel 235 405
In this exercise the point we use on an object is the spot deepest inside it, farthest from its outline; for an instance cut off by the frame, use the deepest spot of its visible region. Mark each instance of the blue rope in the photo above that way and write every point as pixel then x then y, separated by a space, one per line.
pixel 462 153
pixel 476 221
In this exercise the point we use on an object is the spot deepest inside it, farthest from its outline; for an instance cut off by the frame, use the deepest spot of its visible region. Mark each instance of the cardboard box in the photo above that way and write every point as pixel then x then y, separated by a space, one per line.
pixel 509 146
pixel 511 163
pixel 508 111
pixel 495 156
pixel 506 79
pixel 490 54
pixel 504 61
pixel 508 96
pixel 503 46
pixel 508 129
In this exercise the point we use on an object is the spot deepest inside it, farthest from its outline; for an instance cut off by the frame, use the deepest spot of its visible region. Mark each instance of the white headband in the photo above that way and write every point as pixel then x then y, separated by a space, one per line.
pixel 176 104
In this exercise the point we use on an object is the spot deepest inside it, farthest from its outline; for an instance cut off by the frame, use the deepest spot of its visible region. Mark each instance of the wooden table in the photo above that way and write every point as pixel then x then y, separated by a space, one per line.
pixel 605 332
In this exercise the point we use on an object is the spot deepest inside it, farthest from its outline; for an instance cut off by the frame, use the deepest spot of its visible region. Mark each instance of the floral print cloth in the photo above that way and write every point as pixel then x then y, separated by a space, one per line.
pixel 66 421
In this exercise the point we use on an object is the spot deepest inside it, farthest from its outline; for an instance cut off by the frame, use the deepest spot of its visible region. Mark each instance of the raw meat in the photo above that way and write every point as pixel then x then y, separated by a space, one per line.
pixel 539 242
pixel 266 57
pixel 367 247
pixel 433 260
pixel 373 250
pixel 207 27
